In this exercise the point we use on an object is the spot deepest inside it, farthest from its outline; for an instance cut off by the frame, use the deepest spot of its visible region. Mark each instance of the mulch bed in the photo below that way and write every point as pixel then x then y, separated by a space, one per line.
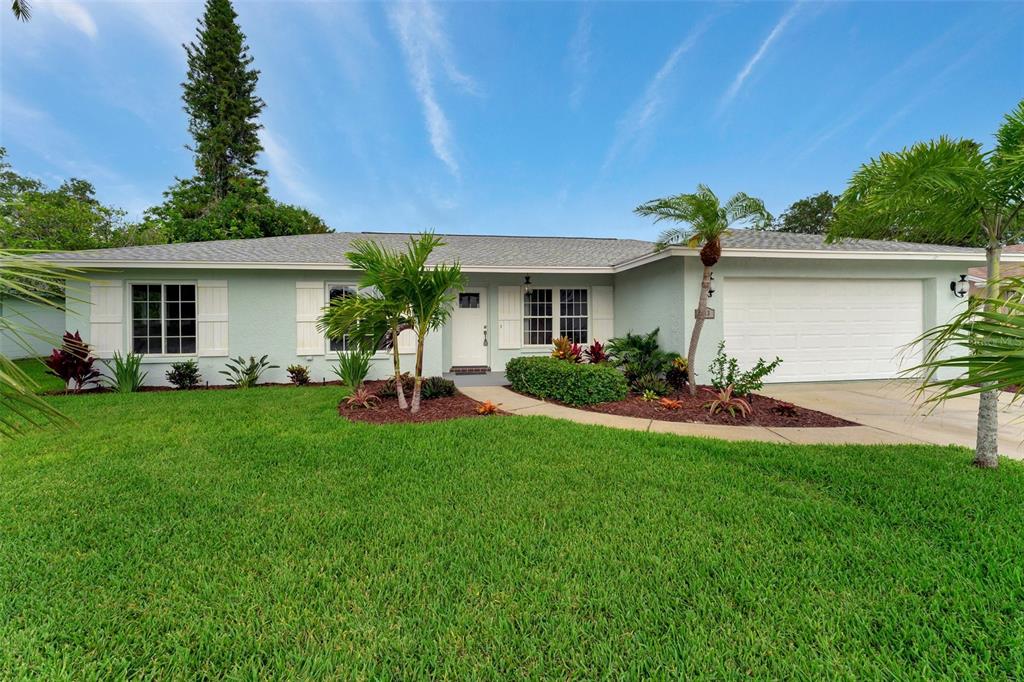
pixel 766 412
pixel 201 387
pixel 388 412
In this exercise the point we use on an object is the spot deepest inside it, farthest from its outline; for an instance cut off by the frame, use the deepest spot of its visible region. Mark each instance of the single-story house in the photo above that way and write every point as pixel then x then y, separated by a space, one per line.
pixel 830 311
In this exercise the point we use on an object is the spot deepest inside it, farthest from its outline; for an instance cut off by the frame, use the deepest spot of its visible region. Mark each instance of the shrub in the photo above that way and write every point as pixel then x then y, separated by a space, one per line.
pixel 725 373
pixel 184 374
pixel 387 390
pixel 436 387
pixel 678 374
pixel 126 375
pixel 651 383
pixel 299 374
pixel 72 363
pixel 670 404
pixel 639 354
pixel 726 400
pixel 564 349
pixel 570 383
pixel 242 374
pixel 595 353
pixel 352 367
pixel 487 407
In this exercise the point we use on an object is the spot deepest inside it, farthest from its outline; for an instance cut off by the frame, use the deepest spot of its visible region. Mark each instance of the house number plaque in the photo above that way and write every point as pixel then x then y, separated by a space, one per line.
pixel 709 314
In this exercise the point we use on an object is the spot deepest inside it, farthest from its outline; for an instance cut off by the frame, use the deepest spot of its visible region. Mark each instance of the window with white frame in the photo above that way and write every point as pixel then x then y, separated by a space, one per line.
pixel 543 321
pixel 342 345
pixel 164 319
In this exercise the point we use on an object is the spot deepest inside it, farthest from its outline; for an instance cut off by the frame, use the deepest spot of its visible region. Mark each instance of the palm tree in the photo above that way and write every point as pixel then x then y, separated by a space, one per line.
pixel 429 292
pixel 31 280
pixel 946 191
pixel 21 9
pixel 705 221
pixel 377 312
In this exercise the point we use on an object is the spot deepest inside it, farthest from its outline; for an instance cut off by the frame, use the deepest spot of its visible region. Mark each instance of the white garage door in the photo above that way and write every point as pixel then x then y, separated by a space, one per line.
pixel 824 329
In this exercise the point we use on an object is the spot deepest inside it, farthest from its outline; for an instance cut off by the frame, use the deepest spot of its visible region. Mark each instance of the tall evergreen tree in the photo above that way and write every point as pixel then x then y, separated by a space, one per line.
pixel 221 101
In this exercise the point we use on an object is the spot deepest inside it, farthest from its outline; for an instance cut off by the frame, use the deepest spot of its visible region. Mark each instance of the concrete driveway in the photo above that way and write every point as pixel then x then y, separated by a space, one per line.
pixel 890 406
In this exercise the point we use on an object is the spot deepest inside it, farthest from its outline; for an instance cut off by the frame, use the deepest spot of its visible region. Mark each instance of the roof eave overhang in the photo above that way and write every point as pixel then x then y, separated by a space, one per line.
pixel 214 265
pixel 817 254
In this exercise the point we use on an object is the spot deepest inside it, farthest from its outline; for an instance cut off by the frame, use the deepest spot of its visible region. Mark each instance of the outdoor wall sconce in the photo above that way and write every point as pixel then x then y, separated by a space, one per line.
pixel 960 288
pixel 526 284
pixel 711 291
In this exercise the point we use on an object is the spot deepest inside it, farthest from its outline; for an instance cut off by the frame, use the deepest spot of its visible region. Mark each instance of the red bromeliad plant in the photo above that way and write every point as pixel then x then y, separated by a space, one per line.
pixel 595 353
pixel 725 401
pixel 362 397
pixel 73 363
pixel 670 404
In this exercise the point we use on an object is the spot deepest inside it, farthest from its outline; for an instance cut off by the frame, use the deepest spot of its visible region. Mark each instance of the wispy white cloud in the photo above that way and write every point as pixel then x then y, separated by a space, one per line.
pixel 74 14
pixel 579 57
pixel 645 110
pixel 427 50
pixel 748 68
pixel 171 23
pixel 285 168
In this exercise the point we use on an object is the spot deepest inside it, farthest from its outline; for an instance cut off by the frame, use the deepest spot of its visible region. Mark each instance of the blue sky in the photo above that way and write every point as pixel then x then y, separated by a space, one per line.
pixel 513 118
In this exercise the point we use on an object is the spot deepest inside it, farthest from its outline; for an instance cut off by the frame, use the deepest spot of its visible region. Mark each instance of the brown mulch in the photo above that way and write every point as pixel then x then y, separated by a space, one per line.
pixel 201 387
pixel 388 412
pixel 766 411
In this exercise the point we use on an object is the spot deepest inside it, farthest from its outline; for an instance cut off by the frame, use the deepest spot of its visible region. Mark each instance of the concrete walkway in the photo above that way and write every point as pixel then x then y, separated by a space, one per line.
pixel 884 410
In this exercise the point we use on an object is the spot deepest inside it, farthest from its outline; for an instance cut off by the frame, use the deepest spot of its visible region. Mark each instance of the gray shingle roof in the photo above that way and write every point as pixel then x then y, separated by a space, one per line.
pixel 474 251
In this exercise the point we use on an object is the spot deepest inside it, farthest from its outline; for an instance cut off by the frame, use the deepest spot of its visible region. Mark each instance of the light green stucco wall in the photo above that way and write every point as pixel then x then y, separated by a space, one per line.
pixel 43 328
pixel 261 321
pixel 651 296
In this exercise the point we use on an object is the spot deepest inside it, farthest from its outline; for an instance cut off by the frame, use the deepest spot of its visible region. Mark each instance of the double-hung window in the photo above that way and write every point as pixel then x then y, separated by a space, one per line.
pixel 551 313
pixel 343 345
pixel 164 319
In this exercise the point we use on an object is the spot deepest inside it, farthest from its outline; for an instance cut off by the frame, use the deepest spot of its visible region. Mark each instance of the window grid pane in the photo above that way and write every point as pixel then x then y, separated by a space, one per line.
pixel 572 318
pixel 340 291
pixel 179 318
pixel 146 303
pixel 538 317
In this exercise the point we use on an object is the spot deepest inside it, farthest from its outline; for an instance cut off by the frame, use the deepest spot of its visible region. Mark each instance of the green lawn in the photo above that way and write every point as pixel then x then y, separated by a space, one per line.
pixel 36 370
pixel 254 533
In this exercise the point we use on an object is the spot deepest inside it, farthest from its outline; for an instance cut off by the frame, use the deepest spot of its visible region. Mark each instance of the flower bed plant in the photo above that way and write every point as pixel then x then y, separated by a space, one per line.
pixel 567 382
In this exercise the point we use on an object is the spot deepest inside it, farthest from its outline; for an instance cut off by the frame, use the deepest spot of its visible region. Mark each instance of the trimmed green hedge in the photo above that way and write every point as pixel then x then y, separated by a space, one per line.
pixel 567 382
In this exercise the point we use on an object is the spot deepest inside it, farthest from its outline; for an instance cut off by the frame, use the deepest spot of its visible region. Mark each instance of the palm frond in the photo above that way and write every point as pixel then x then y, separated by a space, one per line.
pixel 747 210
pixel 21 9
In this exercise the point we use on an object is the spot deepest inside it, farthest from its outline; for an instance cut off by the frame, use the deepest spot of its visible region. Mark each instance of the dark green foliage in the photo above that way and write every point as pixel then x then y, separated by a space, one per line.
pixel 242 374
pixel 640 354
pixel 184 375
pixel 221 102
pixel 387 389
pixel 72 363
pixel 595 353
pixel 352 367
pixel 436 387
pixel 725 372
pixel 299 374
pixel 256 534
pixel 651 383
pixel 68 218
pixel 126 375
pixel 811 215
pixel 570 383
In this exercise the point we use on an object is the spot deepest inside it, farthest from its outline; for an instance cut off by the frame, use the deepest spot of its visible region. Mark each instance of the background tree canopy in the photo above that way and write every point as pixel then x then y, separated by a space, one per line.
pixel 70 217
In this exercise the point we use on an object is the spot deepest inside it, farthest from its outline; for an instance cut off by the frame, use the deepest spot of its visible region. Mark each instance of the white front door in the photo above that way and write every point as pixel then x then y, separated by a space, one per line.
pixel 469 328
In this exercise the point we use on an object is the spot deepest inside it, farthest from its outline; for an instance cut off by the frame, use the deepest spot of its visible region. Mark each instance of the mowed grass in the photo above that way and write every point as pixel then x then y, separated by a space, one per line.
pixel 248 534
pixel 37 372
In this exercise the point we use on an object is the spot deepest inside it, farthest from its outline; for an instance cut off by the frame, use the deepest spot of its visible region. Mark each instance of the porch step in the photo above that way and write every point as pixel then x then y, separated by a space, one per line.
pixel 470 369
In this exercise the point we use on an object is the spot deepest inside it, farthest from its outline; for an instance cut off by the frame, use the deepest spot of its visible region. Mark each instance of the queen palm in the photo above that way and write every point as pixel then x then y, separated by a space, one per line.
pixel 377 312
pixel 704 221
pixel 429 292
pixel 947 191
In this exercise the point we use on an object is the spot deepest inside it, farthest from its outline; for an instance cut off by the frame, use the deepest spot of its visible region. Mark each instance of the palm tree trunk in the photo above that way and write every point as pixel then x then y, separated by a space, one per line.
pixel 398 370
pixel 986 454
pixel 698 325
pixel 419 375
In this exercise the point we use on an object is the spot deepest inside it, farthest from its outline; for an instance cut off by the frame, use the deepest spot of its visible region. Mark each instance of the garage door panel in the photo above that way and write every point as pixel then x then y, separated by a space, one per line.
pixel 824 329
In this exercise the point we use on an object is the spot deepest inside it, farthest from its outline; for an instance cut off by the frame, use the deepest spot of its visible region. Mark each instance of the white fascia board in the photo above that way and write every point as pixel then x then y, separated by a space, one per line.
pixel 211 265
pixel 815 254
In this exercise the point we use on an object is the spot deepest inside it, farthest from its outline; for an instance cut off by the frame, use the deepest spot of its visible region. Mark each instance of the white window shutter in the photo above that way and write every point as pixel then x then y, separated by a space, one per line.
pixel 510 317
pixel 309 305
pixel 106 319
pixel 602 313
pixel 212 318
pixel 407 341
